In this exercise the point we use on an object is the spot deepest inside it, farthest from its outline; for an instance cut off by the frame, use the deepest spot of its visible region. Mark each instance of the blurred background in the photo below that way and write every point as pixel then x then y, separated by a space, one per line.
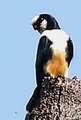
pixel 18 43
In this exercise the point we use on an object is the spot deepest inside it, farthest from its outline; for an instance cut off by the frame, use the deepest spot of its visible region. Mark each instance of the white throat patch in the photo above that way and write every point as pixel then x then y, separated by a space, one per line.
pixel 43 25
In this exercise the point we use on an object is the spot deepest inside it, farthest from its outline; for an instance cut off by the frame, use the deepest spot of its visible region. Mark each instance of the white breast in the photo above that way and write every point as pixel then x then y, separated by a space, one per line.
pixel 58 37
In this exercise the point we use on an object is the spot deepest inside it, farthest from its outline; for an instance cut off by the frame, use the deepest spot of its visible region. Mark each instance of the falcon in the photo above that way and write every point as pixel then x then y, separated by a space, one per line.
pixel 54 53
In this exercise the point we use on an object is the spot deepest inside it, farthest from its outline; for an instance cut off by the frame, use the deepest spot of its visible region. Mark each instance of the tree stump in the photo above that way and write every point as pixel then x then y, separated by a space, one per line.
pixel 60 100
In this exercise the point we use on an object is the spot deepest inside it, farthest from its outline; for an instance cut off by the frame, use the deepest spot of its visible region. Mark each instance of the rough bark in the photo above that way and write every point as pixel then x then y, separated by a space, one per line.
pixel 60 100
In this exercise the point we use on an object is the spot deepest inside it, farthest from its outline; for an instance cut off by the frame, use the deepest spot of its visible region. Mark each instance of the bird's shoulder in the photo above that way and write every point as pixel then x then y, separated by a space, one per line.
pixel 55 34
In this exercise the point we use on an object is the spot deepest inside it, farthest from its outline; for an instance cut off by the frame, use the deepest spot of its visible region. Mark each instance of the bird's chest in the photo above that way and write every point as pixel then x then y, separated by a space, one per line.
pixel 57 65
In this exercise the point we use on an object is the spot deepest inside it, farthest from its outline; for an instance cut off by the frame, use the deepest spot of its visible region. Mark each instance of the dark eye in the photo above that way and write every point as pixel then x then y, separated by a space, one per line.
pixel 39 21
pixel 42 18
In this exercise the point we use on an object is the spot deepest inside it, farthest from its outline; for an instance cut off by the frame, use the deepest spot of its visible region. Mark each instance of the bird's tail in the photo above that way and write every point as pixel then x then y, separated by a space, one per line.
pixel 34 100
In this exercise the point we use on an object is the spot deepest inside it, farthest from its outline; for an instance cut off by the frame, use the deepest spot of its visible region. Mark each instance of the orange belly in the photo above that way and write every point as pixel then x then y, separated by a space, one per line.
pixel 57 65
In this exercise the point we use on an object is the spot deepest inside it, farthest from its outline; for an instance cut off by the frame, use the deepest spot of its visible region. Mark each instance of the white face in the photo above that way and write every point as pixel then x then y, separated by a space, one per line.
pixel 43 26
pixel 42 23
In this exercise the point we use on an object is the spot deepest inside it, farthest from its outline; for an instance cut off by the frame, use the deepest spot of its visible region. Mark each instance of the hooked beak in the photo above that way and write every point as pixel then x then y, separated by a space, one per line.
pixel 35 26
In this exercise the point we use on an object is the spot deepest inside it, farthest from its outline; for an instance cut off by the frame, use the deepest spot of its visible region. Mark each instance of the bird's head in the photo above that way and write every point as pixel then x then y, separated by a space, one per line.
pixel 44 22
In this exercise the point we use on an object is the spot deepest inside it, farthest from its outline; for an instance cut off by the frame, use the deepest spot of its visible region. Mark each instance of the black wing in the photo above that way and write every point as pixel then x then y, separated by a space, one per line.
pixel 43 54
pixel 69 51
